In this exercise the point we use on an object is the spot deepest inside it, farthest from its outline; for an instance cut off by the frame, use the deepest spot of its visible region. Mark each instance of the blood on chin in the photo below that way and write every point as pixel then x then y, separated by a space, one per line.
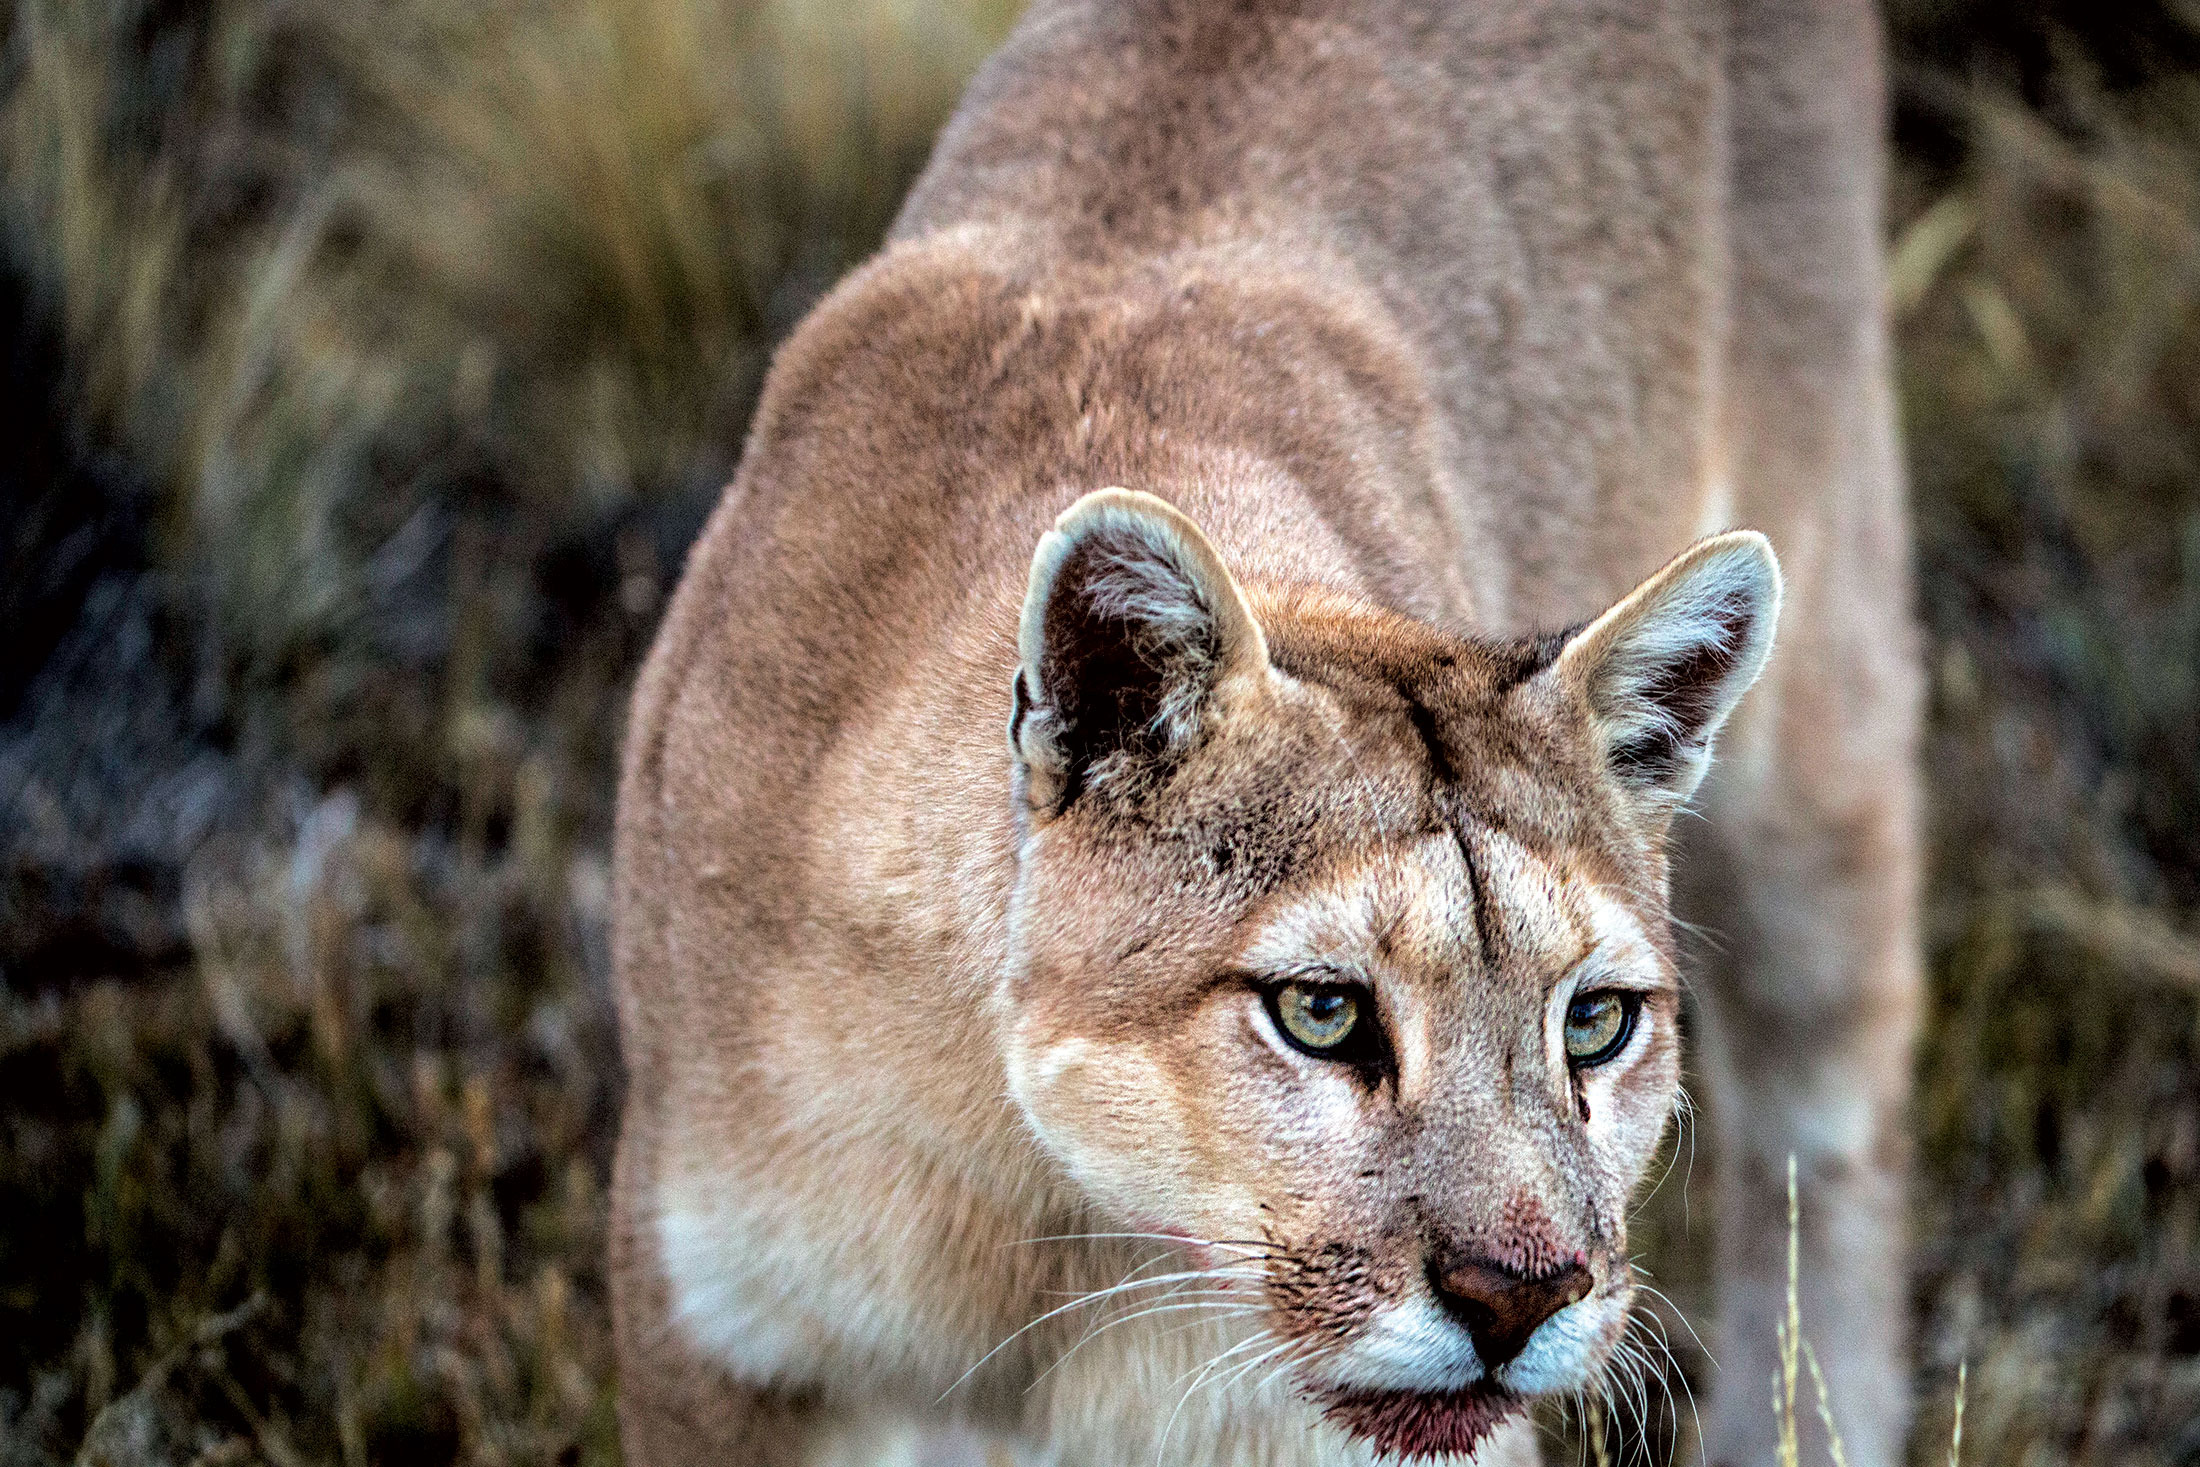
pixel 1419 1425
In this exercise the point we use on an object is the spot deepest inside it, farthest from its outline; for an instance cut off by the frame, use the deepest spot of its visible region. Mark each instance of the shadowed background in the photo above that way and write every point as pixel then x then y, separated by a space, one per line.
pixel 368 368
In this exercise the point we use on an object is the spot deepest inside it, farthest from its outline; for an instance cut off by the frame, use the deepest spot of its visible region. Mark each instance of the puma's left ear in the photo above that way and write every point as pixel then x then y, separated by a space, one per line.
pixel 1662 669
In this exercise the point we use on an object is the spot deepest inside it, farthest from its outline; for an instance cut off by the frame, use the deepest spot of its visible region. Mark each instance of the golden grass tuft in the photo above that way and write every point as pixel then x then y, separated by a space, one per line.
pixel 373 252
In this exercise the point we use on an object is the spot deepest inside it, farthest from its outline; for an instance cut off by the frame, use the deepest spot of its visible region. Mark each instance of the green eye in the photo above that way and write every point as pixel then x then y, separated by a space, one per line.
pixel 1598 1025
pixel 1317 1020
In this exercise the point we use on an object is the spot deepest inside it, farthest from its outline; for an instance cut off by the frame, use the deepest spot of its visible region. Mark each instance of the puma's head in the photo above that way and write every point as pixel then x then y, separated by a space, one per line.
pixel 1342 949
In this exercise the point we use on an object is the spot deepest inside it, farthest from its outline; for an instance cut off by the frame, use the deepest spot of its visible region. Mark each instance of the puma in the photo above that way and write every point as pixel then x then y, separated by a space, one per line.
pixel 1154 832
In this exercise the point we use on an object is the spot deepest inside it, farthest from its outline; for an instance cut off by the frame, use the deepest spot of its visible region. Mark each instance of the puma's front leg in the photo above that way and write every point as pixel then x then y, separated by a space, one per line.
pixel 1805 878
pixel 1806 873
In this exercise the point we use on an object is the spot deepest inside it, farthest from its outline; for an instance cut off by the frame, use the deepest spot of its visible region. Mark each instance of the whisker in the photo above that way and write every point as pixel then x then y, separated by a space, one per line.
pixel 1608 1405
pixel 1161 1449
pixel 1711 937
pixel 1556 1431
pixel 1126 1285
pixel 1679 1314
pixel 1646 1323
pixel 1214 1360
pixel 1638 1395
pixel 1247 1367
pixel 1665 1343
pixel 1689 1119
pixel 1240 1309
pixel 1624 1406
pixel 1288 1350
pixel 1664 1379
pixel 1290 1363
pixel 1299 1351
pixel 1094 1296
pixel 1201 1323
pixel 1652 1386
pixel 1651 1195
pixel 1236 1245
pixel 1609 1412
pixel 1188 1299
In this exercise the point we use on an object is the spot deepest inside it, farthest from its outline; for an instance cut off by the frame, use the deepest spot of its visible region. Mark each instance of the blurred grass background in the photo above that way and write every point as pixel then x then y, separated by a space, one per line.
pixel 369 367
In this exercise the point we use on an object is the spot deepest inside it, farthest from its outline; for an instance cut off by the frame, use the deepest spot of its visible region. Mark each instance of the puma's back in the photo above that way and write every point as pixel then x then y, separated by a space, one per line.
pixel 1185 972
pixel 1529 196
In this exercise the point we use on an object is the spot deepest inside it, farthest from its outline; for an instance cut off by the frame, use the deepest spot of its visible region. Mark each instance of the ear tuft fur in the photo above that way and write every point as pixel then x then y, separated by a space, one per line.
pixel 1130 622
pixel 1664 667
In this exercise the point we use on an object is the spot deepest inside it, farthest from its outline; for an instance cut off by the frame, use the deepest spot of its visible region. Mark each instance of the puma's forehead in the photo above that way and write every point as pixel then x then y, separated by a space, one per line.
pixel 1448 905
pixel 1319 631
pixel 1380 729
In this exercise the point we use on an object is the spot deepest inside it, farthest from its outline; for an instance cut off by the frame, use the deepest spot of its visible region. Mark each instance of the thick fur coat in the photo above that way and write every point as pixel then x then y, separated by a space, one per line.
pixel 982 840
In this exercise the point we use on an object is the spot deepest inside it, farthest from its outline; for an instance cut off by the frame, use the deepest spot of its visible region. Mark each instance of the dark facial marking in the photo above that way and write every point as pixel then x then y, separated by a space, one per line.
pixel 1432 739
pixel 1485 930
pixel 1529 656
pixel 1443 774
pixel 1325 1293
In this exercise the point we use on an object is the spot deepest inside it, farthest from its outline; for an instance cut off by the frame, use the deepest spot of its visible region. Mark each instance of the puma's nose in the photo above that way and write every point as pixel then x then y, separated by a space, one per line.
pixel 1501 1308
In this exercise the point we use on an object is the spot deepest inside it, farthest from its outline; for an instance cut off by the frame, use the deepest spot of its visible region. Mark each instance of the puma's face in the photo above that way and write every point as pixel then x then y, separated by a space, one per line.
pixel 1342 950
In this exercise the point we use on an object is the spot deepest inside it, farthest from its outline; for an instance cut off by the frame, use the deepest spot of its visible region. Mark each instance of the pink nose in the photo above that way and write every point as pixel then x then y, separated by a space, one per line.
pixel 1499 1307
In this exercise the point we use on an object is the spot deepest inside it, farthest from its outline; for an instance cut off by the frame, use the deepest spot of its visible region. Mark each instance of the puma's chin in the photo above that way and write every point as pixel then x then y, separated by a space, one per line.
pixel 1408 1425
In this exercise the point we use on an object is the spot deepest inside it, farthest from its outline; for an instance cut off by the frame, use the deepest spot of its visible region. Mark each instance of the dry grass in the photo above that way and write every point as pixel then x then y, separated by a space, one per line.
pixel 535 248
pixel 393 352
pixel 2051 347
pixel 428 331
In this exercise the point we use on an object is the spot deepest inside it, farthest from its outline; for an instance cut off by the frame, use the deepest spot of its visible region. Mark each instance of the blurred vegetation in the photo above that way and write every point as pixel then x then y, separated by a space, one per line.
pixel 376 364
pixel 369 368
pixel 2048 279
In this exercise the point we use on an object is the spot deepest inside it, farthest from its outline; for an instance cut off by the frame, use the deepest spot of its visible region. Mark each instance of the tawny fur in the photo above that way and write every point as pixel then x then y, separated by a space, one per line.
pixel 1445 325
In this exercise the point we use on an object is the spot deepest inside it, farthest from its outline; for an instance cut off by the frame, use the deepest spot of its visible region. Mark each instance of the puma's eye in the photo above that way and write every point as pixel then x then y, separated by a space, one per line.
pixel 1598 1025
pixel 1317 1020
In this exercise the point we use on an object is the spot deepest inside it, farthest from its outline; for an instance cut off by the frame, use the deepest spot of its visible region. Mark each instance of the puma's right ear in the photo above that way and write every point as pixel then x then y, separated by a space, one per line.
pixel 1130 624
pixel 1663 668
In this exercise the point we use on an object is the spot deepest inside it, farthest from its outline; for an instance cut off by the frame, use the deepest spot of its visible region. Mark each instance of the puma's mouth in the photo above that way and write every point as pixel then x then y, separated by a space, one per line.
pixel 1412 1424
